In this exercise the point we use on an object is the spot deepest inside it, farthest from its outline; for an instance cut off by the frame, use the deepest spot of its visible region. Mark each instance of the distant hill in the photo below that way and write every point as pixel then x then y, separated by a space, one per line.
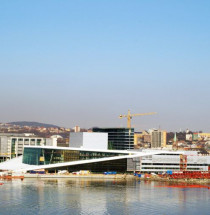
pixel 33 124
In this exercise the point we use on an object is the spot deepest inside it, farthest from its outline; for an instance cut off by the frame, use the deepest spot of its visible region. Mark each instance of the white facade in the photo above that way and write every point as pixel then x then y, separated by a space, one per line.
pixel 162 163
pixel 12 145
pixel 88 140
pixel 189 137
pixel 51 141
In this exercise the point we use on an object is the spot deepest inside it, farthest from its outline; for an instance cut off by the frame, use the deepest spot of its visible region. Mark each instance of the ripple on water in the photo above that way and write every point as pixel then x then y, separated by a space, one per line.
pixel 77 196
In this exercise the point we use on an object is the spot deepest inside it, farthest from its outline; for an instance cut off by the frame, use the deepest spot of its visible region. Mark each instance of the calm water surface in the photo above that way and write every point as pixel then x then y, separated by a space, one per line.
pixel 86 196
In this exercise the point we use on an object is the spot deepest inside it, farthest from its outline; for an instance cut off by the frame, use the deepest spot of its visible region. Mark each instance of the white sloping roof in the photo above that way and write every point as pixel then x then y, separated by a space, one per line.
pixel 16 164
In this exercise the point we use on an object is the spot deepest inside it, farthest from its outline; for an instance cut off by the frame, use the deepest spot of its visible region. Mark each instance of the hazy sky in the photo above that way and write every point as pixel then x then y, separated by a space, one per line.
pixel 86 62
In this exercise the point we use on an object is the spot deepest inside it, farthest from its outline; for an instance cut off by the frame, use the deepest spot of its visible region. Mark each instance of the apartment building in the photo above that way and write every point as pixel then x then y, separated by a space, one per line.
pixel 12 144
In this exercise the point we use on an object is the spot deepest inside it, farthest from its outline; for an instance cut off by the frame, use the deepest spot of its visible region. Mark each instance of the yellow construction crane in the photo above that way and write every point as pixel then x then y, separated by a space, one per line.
pixel 129 116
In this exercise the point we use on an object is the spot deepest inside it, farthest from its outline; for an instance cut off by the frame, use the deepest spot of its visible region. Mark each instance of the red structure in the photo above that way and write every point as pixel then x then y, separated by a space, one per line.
pixel 190 175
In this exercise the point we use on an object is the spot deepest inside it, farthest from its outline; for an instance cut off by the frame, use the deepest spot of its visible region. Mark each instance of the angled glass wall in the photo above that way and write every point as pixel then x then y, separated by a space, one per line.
pixel 40 156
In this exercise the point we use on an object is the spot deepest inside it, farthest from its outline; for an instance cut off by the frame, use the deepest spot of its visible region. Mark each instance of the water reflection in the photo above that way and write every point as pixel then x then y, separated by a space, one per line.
pixel 85 196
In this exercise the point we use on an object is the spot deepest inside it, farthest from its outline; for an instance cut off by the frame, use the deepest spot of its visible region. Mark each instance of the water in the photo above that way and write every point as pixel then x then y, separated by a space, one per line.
pixel 85 196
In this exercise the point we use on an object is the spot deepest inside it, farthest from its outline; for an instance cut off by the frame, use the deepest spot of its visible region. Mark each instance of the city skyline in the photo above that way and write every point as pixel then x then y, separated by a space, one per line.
pixel 86 62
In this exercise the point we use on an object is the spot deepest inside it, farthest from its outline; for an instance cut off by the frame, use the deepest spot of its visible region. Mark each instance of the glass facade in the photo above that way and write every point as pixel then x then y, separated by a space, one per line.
pixel 13 151
pixel 114 165
pixel 32 156
pixel 119 138
pixel 39 156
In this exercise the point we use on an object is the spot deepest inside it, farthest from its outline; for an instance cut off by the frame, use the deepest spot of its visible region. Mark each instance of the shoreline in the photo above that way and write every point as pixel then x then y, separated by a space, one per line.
pixel 116 177
pixel 90 176
pixel 187 181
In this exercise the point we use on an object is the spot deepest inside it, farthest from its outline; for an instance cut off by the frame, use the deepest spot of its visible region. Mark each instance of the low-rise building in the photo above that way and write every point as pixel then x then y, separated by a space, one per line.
pixel 74 159
pixel 12 144
pixel 160 163
pixel 204 136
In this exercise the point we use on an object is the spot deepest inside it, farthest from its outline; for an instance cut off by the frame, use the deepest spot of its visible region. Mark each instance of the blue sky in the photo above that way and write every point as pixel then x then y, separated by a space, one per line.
pixel 85 62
